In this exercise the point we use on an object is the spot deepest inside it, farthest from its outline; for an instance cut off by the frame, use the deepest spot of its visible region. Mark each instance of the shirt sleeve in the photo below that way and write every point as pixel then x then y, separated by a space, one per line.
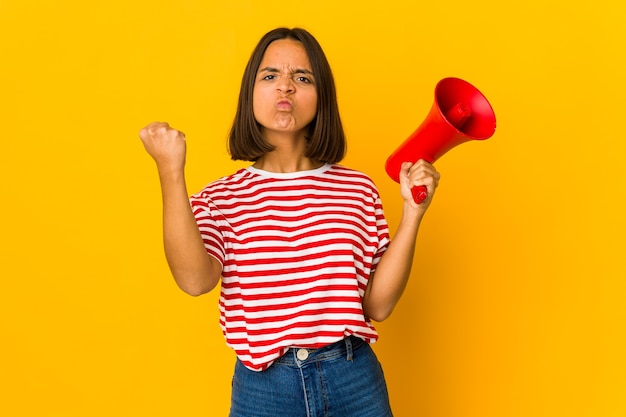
pixel 209 228
pixel 382 228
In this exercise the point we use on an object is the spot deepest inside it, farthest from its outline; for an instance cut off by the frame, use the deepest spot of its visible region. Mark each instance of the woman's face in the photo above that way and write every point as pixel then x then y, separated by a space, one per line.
pixel 285 96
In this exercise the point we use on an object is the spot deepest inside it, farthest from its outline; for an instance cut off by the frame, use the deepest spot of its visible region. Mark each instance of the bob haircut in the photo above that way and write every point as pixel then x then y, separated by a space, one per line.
pixel 326 137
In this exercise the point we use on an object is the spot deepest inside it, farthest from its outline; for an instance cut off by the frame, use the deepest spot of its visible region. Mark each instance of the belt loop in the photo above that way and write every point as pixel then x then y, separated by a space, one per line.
pixel 348 341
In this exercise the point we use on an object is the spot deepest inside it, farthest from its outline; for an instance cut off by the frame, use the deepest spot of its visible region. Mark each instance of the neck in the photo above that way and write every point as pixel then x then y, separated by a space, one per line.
pixel 276 161
pixel 288 155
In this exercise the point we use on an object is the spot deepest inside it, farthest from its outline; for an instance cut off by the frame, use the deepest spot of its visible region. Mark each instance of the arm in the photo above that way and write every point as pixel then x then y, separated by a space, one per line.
pixel 387 284
pixel 195 271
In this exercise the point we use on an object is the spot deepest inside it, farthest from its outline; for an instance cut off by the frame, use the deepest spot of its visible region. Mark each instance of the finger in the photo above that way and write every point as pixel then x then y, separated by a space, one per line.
pixel 164 130
pixel 422 163
pixel 405 169
pixel 424 177
pixel 149 129
pixel 424 167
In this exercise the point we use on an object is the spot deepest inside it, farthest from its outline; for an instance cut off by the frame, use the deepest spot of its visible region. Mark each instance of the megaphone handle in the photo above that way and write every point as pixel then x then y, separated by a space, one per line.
pixel 419 194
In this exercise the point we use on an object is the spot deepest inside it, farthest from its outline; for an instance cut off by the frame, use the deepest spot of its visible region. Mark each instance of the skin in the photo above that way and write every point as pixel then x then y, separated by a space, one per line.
pixel 194 271
pixel 284 104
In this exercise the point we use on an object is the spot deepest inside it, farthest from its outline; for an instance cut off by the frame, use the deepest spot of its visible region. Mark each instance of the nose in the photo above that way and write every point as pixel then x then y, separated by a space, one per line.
pixel 285 85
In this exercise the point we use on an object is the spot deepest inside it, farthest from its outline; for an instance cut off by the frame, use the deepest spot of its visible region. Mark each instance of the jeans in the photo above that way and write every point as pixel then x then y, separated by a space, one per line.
pixel 344 379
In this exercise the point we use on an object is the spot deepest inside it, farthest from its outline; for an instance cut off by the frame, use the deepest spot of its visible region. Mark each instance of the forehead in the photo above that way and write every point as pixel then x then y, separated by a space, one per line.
pixel 285 52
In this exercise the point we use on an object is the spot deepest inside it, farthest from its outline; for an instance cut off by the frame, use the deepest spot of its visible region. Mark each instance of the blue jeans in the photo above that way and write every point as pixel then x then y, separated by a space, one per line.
pixel 344 379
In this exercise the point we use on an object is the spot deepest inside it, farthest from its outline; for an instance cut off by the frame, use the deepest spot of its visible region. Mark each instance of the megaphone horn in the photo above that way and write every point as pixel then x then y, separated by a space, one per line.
pixel 460 113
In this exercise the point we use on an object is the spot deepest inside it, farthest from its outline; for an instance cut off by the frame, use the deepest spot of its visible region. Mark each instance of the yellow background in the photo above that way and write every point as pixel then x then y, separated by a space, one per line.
pixel 516 303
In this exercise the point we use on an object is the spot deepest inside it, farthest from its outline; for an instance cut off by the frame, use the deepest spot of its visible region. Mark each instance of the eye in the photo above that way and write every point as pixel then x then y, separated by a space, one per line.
pixel 304 79
pixel 269 77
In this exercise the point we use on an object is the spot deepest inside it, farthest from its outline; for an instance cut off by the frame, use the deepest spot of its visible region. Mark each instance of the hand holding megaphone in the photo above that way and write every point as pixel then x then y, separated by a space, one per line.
pixel 420 172
pixel 460 113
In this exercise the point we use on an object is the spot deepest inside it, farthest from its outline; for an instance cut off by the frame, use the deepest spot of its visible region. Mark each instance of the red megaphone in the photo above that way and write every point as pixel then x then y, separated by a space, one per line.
pixel 460 113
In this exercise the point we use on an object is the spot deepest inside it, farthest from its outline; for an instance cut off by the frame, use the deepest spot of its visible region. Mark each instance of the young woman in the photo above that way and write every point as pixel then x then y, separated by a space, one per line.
pixel 300 243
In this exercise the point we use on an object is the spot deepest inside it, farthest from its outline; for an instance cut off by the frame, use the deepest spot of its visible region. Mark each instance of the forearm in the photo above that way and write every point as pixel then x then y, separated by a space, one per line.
pixel 194 270
pixel 394 268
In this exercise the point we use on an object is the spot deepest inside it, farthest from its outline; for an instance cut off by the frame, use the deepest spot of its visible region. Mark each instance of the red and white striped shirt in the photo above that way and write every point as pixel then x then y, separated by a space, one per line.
pixel 297 250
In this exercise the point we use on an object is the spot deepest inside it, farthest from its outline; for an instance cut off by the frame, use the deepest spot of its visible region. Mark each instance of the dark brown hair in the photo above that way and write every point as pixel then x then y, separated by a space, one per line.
pixel 326 138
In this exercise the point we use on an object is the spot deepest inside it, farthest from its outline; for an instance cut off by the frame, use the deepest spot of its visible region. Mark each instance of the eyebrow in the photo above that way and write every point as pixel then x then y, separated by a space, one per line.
pixel 297 71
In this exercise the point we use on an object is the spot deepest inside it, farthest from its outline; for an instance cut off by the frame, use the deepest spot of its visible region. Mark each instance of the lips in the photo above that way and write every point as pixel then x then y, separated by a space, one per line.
pixel 284 105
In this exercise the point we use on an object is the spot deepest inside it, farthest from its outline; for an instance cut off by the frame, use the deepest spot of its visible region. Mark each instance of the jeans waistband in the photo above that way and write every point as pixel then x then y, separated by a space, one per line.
pixel 299 355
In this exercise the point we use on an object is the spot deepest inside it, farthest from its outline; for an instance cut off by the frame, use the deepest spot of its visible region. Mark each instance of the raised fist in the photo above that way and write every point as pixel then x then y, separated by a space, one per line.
pixel 165 144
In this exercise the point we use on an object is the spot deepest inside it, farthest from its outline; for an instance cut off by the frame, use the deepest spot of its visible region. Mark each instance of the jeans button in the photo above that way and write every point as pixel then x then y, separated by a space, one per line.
pixel 302 354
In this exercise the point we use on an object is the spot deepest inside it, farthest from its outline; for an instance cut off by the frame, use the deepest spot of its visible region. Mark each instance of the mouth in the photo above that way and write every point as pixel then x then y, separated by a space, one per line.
pixel 284 105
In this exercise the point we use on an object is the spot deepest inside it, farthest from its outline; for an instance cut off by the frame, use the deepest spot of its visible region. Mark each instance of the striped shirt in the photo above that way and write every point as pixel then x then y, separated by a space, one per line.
pixel 297 250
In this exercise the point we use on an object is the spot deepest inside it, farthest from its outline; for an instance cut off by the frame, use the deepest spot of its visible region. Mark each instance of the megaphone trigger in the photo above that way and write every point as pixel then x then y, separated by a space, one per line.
pixel 419 193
